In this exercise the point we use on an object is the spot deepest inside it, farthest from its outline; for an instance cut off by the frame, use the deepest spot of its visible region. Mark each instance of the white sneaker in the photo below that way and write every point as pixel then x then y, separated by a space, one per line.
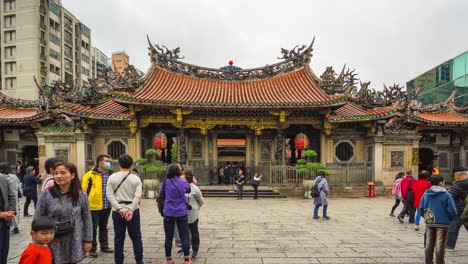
pixel 450 249
pixel 416 227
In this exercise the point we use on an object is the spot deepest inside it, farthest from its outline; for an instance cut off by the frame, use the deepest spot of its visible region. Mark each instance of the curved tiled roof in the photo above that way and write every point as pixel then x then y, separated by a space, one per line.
pixel 106 110
pixel 291 89
pixel 351 112
pixel 447 117
pixel 15 115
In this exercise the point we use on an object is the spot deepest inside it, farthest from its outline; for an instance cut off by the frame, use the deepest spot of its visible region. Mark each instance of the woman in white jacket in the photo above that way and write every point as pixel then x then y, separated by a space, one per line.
pixel 195 199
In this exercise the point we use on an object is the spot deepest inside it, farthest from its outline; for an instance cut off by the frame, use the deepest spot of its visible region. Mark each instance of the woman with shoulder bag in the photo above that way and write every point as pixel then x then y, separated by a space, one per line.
pixel 175 211
pixel 68 205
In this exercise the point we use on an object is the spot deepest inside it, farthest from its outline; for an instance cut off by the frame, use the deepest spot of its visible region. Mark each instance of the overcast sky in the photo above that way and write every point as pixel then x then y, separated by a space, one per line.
pixel 386 41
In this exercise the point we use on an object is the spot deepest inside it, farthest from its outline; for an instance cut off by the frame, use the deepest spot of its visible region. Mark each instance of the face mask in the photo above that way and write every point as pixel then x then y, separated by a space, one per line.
pixel 107 165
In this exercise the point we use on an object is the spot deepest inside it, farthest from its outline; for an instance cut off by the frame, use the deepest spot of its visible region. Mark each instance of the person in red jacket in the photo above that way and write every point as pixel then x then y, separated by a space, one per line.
pixel 42 232
pixel 408 208
pixel 419 187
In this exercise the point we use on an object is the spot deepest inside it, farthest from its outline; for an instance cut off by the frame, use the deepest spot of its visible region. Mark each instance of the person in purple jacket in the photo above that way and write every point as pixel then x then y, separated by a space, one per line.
pixel 175 211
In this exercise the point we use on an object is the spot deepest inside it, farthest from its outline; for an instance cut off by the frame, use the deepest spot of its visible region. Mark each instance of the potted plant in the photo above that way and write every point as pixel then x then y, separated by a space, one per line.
pixel 309 170
pixel 153 170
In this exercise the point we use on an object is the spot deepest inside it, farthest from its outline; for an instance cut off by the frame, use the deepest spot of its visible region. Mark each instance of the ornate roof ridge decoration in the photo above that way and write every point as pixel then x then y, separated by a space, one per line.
pixel 21 103
pixel 416 106
pixel 52 95
pixel 346 83
pixel 127 81
pixel 170 60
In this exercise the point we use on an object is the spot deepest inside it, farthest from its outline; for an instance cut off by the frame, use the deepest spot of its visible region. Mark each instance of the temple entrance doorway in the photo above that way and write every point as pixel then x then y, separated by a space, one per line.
pixel 426 159
pixel 231 151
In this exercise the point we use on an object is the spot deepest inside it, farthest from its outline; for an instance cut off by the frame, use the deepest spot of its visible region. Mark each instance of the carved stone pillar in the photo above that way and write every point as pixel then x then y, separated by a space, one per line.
pixel 182 147
pixel 80 153
pixel 279 148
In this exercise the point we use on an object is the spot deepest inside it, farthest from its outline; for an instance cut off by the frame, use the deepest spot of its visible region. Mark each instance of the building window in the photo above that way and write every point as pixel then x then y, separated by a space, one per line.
pixel 54 39
pixel 10 5
pixel 85 30
pixel 10 21
pixel 54 54
pixel 68 38
pixel 54 69
pixel 10 36
pixel 68 77
pixel 85 58
pixel 10 83
pixel 265 150
pixel 54 8
pixel 10 67
pixel 10 52
pixel 68 65
pixel 344 151
pixel 84 71
pixel 115 149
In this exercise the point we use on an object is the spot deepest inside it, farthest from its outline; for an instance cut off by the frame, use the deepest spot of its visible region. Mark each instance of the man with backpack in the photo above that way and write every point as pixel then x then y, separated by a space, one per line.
pixel 408 197
pixel 459 193
pixel 94 183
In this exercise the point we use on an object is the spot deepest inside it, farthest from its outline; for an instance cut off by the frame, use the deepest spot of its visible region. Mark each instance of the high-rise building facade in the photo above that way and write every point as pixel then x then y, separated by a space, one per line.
pixel 40 38
pixel 439 83
pixel 101 64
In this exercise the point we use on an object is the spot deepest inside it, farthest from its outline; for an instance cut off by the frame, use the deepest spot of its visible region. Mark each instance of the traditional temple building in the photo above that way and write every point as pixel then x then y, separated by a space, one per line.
pixel 249 116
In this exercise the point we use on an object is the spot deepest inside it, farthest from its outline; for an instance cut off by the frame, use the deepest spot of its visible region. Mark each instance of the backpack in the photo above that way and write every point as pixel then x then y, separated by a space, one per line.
pixel 396 189
pixel 464 216
pixel 314 191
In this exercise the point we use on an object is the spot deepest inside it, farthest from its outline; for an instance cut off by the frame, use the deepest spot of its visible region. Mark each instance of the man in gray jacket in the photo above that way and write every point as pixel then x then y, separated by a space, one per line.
pixel 7 212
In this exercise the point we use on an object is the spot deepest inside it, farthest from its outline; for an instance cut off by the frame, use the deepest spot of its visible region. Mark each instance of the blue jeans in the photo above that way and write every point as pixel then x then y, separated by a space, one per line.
pixel 183 227
pixel 240 191
pixel 317 206
pixel 134 231
pixel 418 216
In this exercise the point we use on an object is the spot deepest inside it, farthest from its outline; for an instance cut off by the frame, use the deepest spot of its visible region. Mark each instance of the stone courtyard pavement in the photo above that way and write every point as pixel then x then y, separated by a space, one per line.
pixel 282 231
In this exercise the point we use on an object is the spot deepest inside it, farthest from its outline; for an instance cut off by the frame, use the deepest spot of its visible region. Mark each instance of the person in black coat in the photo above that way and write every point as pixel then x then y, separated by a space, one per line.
pixel 459 192
pixel 30 183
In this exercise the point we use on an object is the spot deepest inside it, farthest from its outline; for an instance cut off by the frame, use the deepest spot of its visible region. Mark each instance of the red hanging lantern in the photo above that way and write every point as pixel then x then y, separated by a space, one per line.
pixel 301 141
pixel 160 141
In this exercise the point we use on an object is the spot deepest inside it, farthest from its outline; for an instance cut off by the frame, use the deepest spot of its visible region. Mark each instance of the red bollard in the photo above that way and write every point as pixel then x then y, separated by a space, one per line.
pixel 371 190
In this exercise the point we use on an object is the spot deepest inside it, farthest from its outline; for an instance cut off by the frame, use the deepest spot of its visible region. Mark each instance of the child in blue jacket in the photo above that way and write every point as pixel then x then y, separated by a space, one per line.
pixel 439 209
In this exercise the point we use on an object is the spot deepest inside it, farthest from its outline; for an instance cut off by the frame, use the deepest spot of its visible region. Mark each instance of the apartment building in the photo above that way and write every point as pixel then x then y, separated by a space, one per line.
pixel 100 64
pixel 41 38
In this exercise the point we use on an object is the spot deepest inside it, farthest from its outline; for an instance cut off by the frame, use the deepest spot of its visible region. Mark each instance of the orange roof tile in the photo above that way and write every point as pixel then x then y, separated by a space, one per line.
pixel 442 117
pixel 292 89
pixel 10 114
pixel 351 112
pixel 107 110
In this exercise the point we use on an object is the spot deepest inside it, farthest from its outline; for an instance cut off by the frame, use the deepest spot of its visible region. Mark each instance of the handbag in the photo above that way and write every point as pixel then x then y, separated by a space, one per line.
pixel 160 200
pixel 410 193
pixel 64 225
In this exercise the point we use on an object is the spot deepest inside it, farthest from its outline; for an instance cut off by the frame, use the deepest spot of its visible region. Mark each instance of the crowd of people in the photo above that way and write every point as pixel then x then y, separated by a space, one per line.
pixel 69 214
pixel 441 209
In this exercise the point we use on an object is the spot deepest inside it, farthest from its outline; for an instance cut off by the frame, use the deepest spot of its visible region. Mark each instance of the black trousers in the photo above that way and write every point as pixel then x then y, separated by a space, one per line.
pixel 193 227
pixel 255 186
pixel 408 209
pixel 4 242
pixel 397 203
pixel 29 197
pixel 100 219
